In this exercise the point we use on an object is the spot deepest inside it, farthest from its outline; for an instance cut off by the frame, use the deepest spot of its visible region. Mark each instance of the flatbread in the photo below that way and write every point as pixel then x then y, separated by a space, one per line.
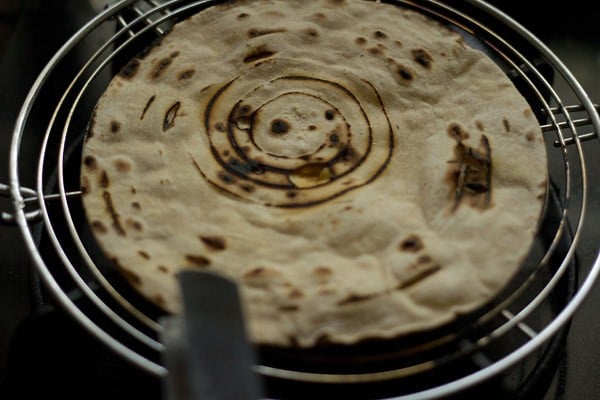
pixel 356 167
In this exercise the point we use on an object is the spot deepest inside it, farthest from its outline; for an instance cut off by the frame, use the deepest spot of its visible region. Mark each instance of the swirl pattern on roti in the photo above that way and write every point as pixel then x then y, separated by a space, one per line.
pixel 354 166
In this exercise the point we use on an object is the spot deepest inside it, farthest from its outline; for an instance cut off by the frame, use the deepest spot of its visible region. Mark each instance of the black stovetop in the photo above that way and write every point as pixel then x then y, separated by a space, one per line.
pixel 27 41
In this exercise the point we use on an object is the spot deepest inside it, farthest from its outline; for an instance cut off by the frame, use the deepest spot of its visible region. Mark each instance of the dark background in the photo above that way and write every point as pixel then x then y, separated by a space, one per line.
pixel 31 31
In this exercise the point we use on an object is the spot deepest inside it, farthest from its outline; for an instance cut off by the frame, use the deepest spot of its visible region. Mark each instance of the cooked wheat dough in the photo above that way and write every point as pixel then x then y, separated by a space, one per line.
pixel 356 167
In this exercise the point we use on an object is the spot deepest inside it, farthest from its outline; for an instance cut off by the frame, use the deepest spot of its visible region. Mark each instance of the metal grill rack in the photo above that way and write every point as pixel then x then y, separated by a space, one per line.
pixel 519 323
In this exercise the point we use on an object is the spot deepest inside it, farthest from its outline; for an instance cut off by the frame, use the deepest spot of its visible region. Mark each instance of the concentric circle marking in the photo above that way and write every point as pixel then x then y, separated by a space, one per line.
pixel 294 133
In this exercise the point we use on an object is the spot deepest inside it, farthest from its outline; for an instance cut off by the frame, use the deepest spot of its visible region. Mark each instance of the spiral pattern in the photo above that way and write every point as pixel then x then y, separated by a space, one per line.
pixel 294 139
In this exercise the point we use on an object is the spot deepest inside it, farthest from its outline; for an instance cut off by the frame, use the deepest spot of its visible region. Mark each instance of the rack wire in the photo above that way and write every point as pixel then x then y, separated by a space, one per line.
pixel 83 285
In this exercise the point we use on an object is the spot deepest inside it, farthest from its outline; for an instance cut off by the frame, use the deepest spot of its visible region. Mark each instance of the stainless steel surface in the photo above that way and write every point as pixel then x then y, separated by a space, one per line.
pixel 563 130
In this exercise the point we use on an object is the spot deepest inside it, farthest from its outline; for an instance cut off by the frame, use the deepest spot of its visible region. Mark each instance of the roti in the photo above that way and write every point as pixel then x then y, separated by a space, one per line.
pixel 354 166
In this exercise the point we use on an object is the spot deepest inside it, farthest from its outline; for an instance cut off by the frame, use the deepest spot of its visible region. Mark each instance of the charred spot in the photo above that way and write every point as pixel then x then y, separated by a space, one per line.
pixel 455 131
pixel 159 68
pixel 159 300
pixel 135 225
pixel 90 163
pixel 479 125
pixel 348 208
pixel 323 272
pixel 245 149
pixel 506 125
pixel 133 190
pixel 131 277
pixel 374 51
pixel 329 115
pixel 136 206
pixel 144 255
pixel 405 73
pixel 334 139
pixel 243 15
pixel 163 269
pixel 289 308
pixel 411 244
pixel 360 41
pixel 355 298
pixel 85 185
pixel 115 126
pixel 469 175
pixel 220 127
pixel 122 165
pixel 295 294
pixel 527 113
pixel 197 260
pixel 187 74
pixel 245 167
pixel 254 32
pixel 398 43
pixel 110 208
pixel 319 16
pixel 379 35
pixel 313 33
pixel 147 106
pixel 213 242
pixel 226 178
pixel 258 53
pixel 170 115
pixel 279 126
pixel 131 69
pixel 99 227
pixel 422 57
pixel 104 181
pixel 347 154
pixel 530 136
pixel 312 127
pixel 246 187
pixel 419 277
pixel 174 54
pixel 254 273
pixel 291 194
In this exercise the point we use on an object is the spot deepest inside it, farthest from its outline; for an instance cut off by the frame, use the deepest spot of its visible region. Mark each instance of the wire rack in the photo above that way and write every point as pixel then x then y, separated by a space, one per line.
pixel 524 318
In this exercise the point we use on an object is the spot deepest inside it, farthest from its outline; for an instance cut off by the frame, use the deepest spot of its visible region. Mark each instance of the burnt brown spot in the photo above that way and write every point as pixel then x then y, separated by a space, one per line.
pixel 374 51
pixel 419 277
pixel 405 73
pixel 360 41
pixel 330 114
pixel 174 54
pixel 104 181
pixel 133 190
pixel 131 69
pixel 220 127
pixel 457 132
pixel 99 227
pixel 411 244
pixel 246 187
pixel 110 208
pixel 160 67
pixel 213 242
pixel 289 308
pixel 379 35
pixel 469 175
pixel 479 125
pixel 163 269
pixel 506 125
pixel 259 53
pixel 115 126
pixel 136 206
pixel 291 194
pixel 243 15
pixel 198 260
pixel 254 273
pixel 323 272
pixel 159 300
pixel 530 136
pixel 254 32
pixel 295 294
pixel 355 298
pixel 131 277
pixel 170 115
pixel 320 16
pixel 85 185
pixel 148 104
pixel 90 163
pixel 312 127
pixel 334 139
pixel 398 43
pixel 348 208
pixel 135 225
pixel 144 255
pixel 279 126
pixel 122 165
pixel 527 113
pixel 313 33
pixel 187 74
pixel 226 178
pixel 422 57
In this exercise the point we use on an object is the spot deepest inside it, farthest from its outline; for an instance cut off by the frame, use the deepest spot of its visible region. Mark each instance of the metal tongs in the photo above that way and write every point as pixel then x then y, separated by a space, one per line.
pixel 207 354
